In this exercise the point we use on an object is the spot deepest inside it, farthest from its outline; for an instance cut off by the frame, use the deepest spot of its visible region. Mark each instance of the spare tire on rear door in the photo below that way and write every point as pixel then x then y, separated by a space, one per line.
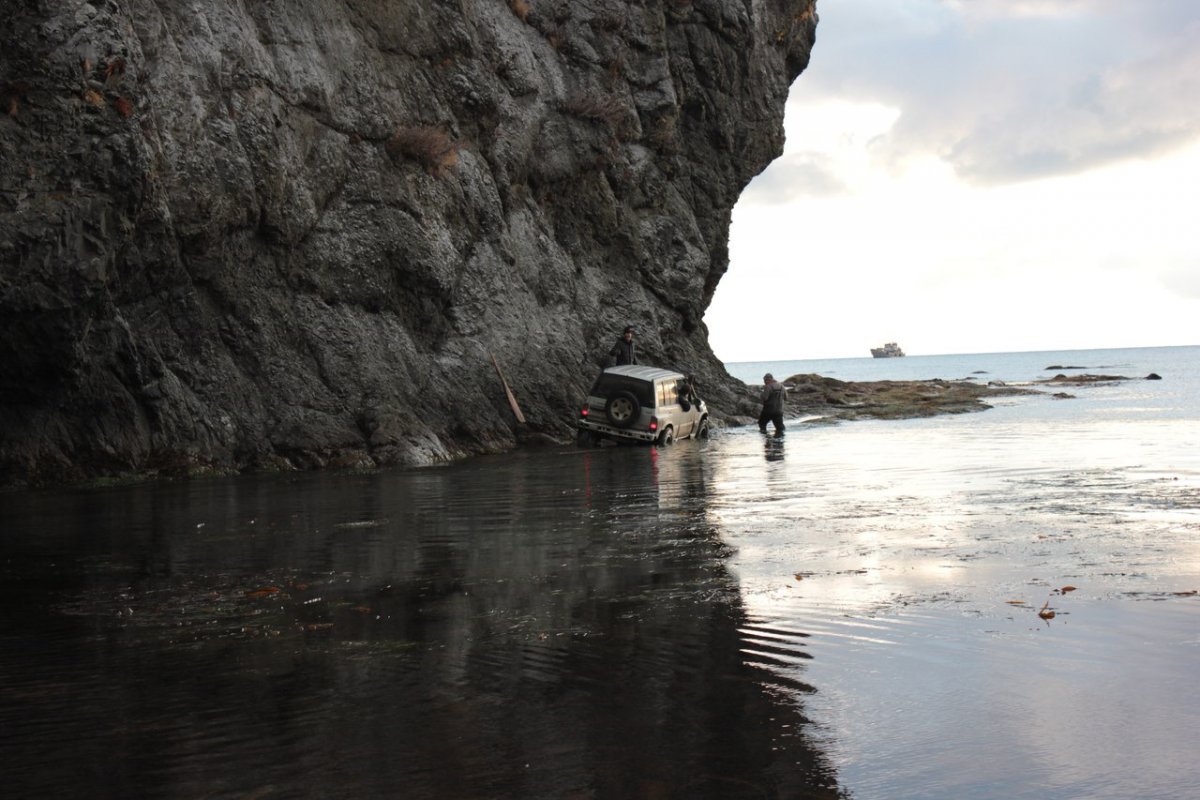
pixel 622 409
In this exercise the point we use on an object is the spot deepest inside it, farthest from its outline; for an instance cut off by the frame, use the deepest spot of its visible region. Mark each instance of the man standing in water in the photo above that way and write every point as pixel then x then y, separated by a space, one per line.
pixel 772 410
pixel 623 351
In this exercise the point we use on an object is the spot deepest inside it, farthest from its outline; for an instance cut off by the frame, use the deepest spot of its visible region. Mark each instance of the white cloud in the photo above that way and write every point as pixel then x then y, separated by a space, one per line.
pixel 1134 109
pixel 1183 279
pixel 826 152
pixel 977 176
pixel 1101 259
pixel 1011 91
pixel 992 9
pixel 796 175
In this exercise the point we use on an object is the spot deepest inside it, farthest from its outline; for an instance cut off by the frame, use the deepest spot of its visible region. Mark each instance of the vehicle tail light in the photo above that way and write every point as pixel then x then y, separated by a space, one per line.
pixel 654 423
pixel 583 412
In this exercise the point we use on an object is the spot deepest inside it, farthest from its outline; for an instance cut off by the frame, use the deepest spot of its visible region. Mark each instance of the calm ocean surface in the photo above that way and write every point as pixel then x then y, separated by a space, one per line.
pixel 992 605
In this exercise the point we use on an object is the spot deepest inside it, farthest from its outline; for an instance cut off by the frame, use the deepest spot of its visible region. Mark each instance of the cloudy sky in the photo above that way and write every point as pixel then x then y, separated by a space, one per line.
pixel 967 176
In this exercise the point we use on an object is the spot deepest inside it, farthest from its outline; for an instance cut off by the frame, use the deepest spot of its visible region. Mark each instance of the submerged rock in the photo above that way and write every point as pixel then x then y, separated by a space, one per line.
pixel 845 400
pixel 236 238
pixel 1084 379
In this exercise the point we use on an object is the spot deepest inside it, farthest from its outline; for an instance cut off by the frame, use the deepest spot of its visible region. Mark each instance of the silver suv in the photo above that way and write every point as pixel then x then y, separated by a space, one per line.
pixel 645 404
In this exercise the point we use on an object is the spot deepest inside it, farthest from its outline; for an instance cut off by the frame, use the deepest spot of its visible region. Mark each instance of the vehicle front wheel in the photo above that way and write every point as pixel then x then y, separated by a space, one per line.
pixel 667 437
pixel 702 432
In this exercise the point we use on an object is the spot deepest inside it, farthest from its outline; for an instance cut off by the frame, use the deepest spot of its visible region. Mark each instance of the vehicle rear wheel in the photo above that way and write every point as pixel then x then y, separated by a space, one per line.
pixel 622 409
pixel 702 431
pixel 667 437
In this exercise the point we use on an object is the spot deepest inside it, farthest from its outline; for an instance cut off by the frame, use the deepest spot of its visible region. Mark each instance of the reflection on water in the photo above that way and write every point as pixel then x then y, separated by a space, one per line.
pixel 559 624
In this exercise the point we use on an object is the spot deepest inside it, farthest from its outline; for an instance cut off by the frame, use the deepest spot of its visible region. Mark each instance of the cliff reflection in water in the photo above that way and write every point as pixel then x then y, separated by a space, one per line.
pixel 555 624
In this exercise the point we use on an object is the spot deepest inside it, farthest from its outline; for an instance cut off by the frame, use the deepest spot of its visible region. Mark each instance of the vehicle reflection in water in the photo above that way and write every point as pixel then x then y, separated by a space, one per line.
pixel 548 624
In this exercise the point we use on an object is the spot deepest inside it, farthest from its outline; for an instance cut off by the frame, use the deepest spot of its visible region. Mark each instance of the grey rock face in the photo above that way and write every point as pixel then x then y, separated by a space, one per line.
pixel 291 234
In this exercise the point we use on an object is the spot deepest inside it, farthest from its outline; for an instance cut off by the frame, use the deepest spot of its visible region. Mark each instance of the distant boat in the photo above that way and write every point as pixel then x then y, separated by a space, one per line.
pixel 889 350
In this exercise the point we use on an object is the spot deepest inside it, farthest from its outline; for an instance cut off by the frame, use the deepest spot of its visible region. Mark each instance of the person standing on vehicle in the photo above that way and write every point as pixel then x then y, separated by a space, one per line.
pixel 772 410
pixel 624 351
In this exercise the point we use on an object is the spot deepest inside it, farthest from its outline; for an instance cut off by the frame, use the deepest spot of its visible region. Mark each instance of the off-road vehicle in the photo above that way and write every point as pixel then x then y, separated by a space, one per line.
pixel 640 403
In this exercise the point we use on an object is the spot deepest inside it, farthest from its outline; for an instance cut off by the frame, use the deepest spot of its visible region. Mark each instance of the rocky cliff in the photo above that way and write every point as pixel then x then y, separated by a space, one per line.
pixel 293 234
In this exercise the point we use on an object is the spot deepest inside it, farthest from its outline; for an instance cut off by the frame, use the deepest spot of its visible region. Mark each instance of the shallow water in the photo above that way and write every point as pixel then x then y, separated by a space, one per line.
pixel 553 624
pixel 918 555
pixel 850 610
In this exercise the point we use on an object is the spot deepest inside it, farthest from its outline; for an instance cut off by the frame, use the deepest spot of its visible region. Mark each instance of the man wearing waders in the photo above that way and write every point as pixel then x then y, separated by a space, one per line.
pixel 772 410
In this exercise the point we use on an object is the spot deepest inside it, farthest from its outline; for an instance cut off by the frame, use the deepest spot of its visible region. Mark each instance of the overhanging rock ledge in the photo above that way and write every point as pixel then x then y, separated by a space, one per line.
pixel 266 235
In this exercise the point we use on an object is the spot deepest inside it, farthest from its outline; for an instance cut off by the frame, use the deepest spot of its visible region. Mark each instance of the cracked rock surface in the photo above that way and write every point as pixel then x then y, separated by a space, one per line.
pixel 294 234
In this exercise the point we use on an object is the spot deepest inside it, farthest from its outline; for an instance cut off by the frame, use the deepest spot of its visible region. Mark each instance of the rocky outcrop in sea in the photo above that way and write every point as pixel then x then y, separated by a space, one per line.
pixel 293 235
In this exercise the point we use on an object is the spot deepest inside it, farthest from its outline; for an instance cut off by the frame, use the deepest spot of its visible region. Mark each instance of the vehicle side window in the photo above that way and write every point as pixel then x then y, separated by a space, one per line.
pixel 668 394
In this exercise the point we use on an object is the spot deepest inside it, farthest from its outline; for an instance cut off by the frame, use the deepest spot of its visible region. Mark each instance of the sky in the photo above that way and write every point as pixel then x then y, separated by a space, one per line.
pixel 975 176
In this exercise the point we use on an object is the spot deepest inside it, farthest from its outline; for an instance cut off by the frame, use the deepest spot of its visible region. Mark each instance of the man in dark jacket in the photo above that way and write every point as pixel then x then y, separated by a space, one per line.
pixel 772 410
pixel 624 351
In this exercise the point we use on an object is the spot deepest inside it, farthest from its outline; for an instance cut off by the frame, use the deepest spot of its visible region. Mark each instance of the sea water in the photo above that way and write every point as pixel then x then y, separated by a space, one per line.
pixel 983 367
pixel 1001 604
